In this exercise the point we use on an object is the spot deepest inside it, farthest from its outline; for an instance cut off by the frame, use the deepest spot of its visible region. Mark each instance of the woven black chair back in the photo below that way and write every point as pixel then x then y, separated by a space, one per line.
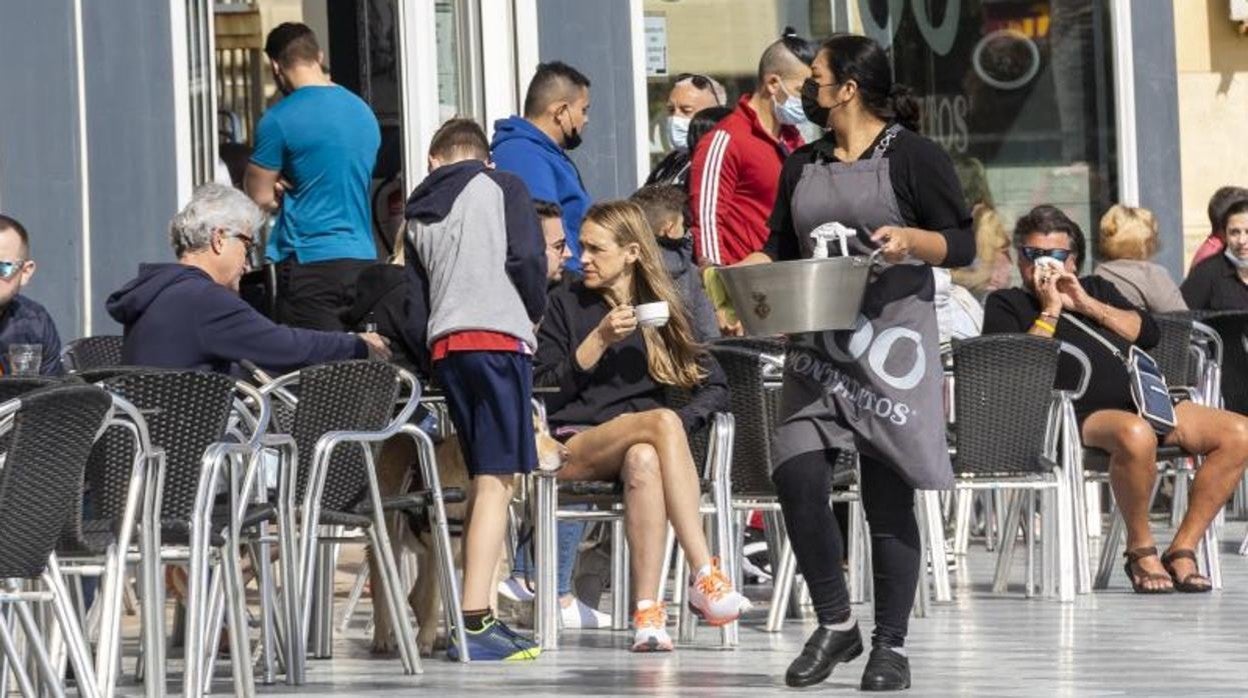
pixel 1174 352
pixel 93 352
pixel 1003 386
pixel 41 481
pixel 756 409
pixel 186 412
pixel 342 396
pixel 1232 327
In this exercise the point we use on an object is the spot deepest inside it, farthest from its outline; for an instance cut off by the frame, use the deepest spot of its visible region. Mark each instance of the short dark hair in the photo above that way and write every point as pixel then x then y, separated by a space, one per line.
pixel 702 123
pixel 661 203
pixel 292 42
pixel 779 56
pixel 1051 219
pixel 1236 207
pixel 546 209
pixel 461 139
pixel 1221 201
pixel 10 223
pixel 551 83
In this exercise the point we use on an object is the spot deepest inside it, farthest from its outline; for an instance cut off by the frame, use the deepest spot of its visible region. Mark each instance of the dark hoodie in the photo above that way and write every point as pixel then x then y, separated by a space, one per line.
pixel 521 148
pixel 678 259
pixel 176 316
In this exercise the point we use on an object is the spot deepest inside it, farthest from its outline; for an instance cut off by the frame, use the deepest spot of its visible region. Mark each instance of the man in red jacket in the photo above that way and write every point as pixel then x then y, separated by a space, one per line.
pixel 736 167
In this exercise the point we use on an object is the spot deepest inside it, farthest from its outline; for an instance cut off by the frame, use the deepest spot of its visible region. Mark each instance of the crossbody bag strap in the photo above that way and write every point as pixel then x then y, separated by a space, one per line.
pixel 1096 335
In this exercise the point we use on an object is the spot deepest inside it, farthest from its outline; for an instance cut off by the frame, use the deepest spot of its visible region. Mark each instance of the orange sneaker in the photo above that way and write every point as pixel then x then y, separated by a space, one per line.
pixel 651 625
pixel 712 598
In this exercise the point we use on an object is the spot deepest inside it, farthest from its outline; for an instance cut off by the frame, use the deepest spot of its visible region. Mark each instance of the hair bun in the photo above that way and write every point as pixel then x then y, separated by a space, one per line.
pixel 788 33
pixel 900 90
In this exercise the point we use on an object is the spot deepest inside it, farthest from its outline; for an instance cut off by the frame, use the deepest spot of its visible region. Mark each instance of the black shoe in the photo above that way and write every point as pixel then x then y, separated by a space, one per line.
pixel 824 649
pixel 886 671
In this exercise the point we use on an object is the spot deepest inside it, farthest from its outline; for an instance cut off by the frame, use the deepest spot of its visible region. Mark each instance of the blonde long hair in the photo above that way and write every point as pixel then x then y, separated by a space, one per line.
pixel 990 239
pixel 672 354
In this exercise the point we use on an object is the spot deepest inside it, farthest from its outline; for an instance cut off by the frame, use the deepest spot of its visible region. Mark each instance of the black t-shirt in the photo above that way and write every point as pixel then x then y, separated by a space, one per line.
pixel 929 195
pixel 1109 388
pixel 1214 284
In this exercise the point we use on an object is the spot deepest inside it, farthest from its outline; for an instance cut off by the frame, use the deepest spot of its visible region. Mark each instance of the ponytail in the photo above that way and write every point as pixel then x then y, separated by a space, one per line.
pixel 904 106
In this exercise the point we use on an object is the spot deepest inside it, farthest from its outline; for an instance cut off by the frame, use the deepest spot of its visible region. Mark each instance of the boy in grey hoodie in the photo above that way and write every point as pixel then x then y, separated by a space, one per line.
pixel 476 271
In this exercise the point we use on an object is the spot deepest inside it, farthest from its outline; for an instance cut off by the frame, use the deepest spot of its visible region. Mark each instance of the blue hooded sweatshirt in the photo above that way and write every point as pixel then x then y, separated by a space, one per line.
pixel 176 316
pixel 521 148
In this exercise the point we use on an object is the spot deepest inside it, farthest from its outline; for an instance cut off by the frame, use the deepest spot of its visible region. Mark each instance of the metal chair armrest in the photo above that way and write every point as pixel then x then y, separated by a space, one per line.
pixel 1084 364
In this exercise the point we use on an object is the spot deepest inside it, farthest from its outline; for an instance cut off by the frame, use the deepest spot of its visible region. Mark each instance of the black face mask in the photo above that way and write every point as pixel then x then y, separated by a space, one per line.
pixel 817 113
pixel 673 243
pixel 572 138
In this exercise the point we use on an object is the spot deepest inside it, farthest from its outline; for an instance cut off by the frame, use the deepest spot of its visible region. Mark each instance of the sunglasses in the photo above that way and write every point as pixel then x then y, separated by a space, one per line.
pixel 1031 254
pixel 10 269
pixel 699 81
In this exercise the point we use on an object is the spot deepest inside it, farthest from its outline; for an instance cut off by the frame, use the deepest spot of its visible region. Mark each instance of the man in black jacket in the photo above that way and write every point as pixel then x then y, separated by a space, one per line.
pixel 188 314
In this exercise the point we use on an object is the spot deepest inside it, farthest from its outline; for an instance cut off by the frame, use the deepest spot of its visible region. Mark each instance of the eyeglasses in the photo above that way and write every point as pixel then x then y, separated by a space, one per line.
pixel 247 240
pixel 700 81
pixel 1031 254
pixel 10 269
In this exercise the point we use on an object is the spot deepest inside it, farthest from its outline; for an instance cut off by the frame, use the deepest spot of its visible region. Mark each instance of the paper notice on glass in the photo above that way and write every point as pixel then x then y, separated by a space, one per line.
pixel 656 45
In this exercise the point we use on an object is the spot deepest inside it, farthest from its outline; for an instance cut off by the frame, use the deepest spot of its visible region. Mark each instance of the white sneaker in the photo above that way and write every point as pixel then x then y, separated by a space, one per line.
pixel 651 625
pixel 581 615
pixel 712 598
pixel 515 589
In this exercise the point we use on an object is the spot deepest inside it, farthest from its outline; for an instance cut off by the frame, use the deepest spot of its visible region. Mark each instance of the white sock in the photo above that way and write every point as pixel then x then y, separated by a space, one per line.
pixel 644 604
pixel 702 571
pixel 847 625
pixel 897 650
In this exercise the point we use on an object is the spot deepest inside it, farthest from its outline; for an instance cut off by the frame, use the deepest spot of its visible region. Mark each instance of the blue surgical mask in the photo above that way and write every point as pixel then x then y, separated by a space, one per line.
pixel 790 111
pixel 678 131
pixel 1239 263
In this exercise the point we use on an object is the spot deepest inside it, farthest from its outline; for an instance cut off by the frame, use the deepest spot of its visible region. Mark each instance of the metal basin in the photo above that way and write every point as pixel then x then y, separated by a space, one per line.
pixel 806 295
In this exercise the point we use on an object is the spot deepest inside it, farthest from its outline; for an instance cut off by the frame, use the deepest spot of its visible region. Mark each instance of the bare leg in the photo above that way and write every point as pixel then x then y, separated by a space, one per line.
pixel 599 454
pixel 646 523
pixel 1132 448
pixel 1222 437
pixel 485 527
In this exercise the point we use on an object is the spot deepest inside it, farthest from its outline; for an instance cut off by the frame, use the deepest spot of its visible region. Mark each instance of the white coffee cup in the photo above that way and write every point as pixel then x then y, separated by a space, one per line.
pixel 652 314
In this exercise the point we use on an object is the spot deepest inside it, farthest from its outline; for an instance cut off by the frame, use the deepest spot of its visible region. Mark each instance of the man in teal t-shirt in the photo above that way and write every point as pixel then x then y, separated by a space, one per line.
pixel 313 165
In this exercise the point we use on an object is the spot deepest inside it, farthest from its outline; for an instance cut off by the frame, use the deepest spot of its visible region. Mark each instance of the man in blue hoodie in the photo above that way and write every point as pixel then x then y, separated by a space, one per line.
pixel 556 111
pixel 189 314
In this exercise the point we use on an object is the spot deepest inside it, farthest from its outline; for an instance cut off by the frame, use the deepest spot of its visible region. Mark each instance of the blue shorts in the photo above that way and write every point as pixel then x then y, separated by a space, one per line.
pixel 490 396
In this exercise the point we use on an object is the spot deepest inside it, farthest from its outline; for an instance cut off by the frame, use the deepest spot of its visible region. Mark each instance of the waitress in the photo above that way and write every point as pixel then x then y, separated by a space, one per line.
pixel 875 389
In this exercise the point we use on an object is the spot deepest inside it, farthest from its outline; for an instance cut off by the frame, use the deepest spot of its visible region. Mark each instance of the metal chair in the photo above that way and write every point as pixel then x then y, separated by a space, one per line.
pixel 352 404
pixel 714 450
pixel 1006 436
pixel 188 415
pixel 40 486
pixel 87 353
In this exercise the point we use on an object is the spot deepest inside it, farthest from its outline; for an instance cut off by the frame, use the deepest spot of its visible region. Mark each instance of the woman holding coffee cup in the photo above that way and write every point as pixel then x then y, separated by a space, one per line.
pixel 615 343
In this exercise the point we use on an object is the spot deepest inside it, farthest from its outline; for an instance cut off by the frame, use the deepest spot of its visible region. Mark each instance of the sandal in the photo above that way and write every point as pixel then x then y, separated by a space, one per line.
pixel 1186 585
pixel 1139 580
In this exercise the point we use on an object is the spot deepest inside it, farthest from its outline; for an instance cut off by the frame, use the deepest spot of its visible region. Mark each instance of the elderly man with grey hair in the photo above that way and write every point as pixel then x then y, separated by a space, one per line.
pixel 188 314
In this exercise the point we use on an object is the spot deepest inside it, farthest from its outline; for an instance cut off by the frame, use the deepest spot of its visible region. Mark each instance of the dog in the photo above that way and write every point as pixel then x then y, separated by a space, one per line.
pixel 398 457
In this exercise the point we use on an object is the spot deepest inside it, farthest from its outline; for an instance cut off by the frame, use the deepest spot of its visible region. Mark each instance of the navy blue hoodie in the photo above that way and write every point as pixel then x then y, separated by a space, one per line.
pixel 176 316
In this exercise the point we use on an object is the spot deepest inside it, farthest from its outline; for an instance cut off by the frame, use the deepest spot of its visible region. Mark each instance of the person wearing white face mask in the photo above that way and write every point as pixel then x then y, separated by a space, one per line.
pixel 690 94
pixel 1221 282
pixel 736 167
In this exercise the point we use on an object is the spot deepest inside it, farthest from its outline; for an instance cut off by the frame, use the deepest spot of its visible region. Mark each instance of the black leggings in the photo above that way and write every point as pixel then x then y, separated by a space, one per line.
pixel 804 484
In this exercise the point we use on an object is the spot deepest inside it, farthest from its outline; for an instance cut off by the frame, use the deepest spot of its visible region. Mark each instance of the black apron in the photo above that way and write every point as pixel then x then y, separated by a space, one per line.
pixel 876 388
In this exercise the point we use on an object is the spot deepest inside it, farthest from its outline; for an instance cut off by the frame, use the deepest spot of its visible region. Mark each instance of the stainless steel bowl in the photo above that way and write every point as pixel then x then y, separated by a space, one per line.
pixel 807 295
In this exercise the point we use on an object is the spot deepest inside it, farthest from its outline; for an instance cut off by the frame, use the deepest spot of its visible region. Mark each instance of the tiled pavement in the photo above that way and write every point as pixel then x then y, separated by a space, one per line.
pixel 1109 643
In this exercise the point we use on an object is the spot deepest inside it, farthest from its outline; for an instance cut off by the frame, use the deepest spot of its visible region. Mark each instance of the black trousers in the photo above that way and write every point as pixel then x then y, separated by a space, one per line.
pixel 804 484
pixel 315 295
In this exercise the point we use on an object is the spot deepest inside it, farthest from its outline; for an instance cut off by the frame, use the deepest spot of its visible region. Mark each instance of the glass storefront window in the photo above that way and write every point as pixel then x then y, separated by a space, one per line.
pixel 1019 90
pixel 719 38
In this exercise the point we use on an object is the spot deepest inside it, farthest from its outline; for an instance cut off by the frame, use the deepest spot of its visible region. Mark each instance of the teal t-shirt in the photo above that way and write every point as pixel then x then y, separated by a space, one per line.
pixel 324 140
